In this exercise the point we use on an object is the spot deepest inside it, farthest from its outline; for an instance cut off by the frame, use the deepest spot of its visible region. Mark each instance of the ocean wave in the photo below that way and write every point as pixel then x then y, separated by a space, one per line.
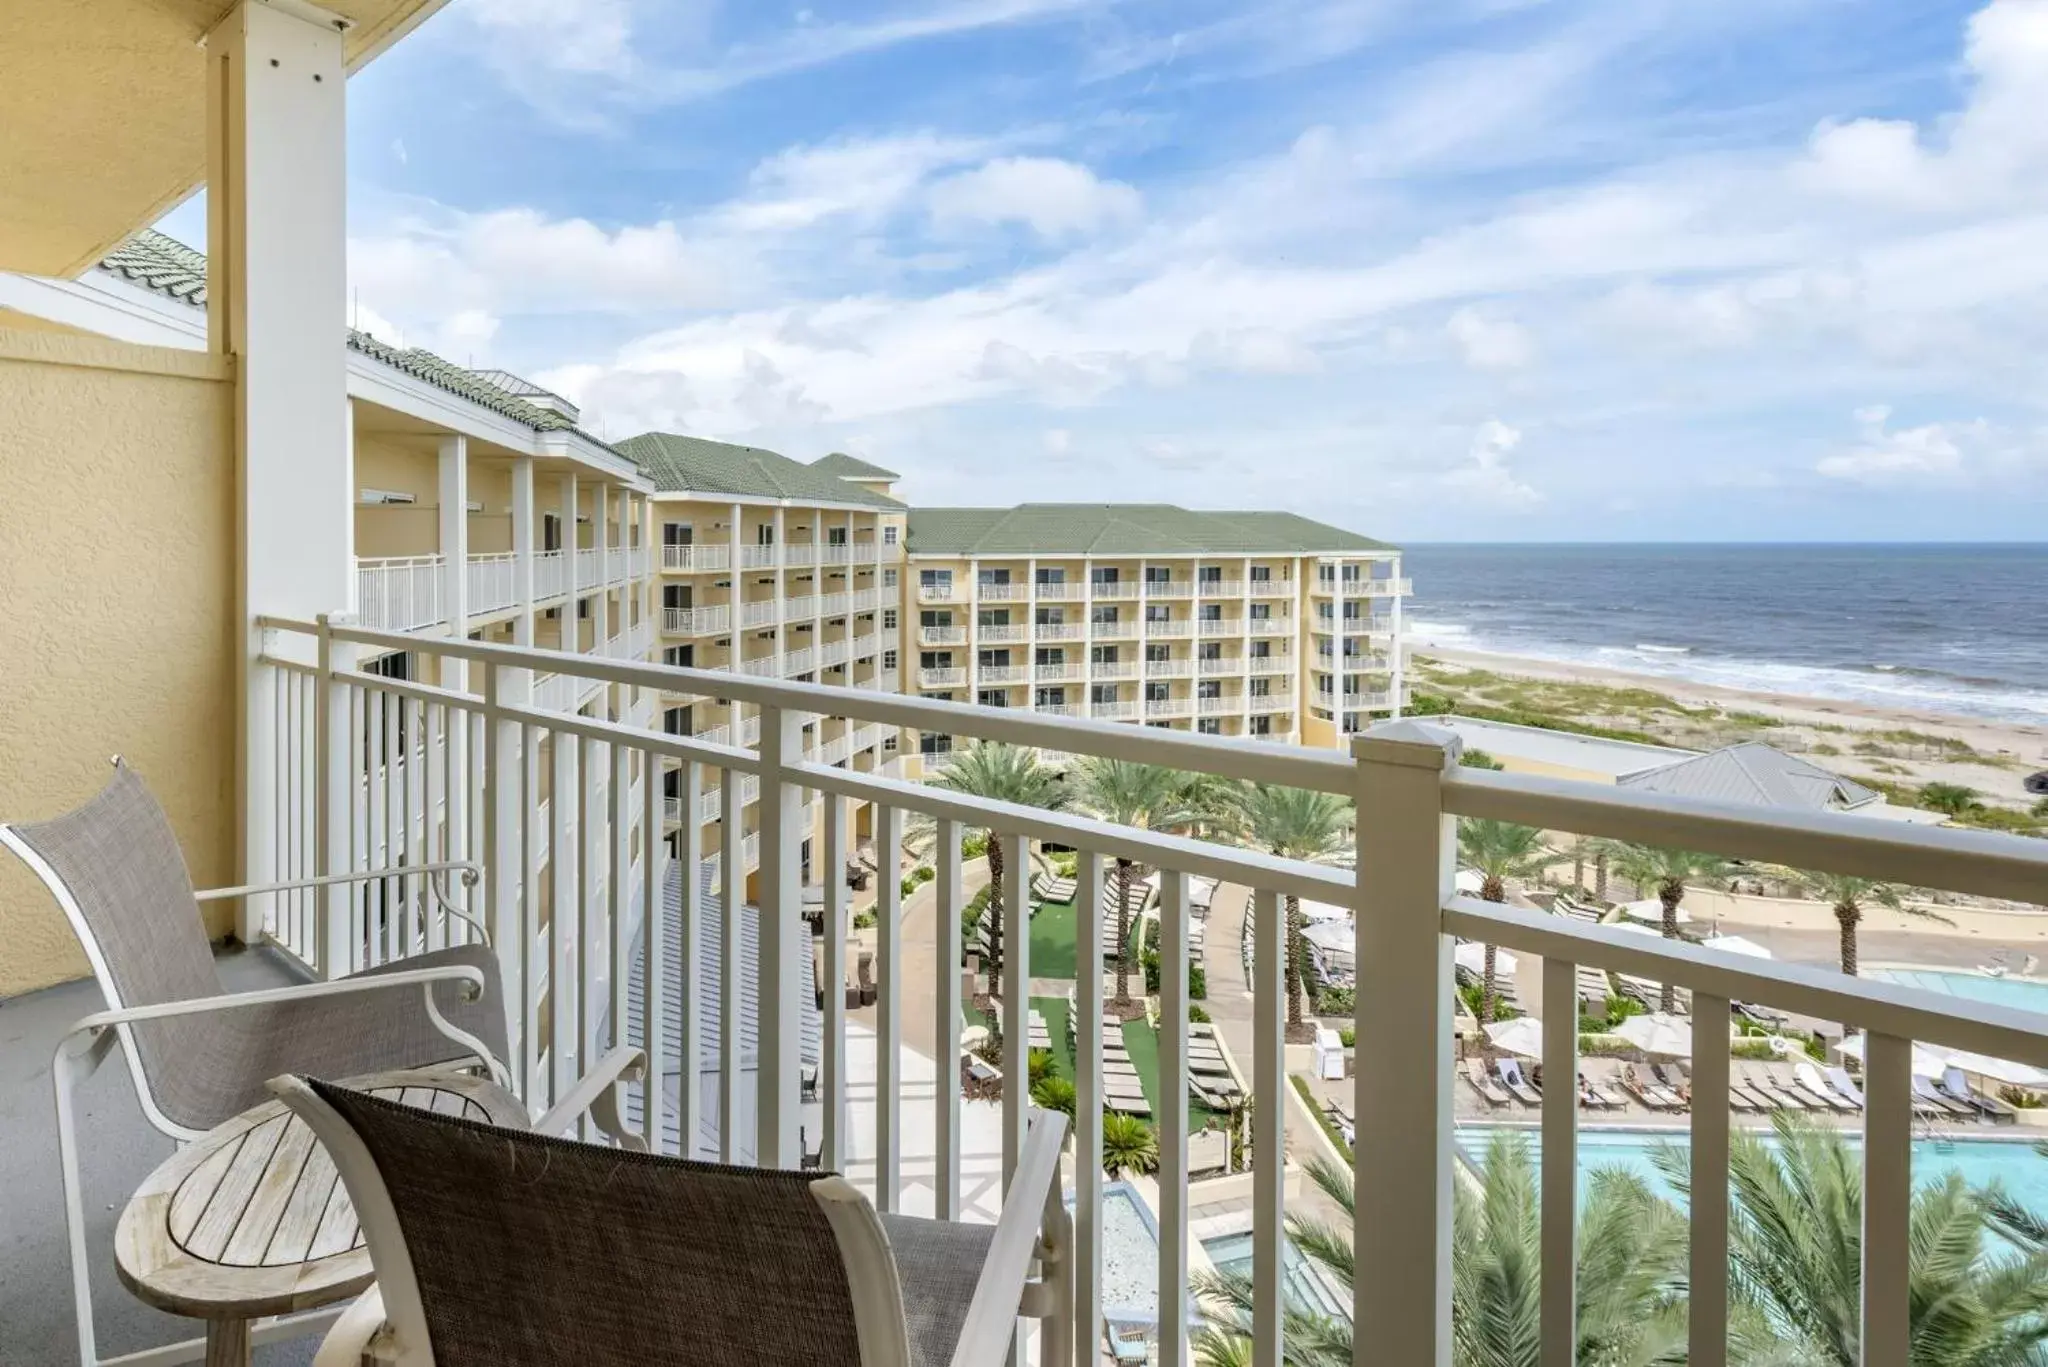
pixel 1663 650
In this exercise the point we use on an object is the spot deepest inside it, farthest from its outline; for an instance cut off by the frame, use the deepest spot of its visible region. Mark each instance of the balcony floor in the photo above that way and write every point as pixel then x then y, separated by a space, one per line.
pixel 119 1150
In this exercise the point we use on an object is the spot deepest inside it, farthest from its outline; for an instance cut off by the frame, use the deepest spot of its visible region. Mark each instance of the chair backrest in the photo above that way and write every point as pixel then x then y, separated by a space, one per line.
pixel 115 868
pixel 522 1250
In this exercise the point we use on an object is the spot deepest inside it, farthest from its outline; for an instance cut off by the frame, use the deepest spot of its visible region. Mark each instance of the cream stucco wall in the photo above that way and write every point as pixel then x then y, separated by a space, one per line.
pixel 117 569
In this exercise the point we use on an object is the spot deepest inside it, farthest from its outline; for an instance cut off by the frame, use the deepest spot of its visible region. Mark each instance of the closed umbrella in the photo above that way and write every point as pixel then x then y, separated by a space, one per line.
pixel 1932 1060
pixel 1653 912
pixel 1659 1034
pixel 1523 1035
pixel 1928 1061
pixel 1735 944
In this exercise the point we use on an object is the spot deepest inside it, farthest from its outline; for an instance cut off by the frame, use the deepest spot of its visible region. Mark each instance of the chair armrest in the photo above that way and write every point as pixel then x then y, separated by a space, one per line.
pixel 351 1341
pixel 472 873
pixel 423 978
pixel 597 1093
pixel 998 1293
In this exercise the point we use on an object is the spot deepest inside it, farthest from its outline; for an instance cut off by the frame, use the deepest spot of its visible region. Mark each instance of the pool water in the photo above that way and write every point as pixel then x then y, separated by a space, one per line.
pixel 2012 1164
pixel 1304 1287
pixel 2024 993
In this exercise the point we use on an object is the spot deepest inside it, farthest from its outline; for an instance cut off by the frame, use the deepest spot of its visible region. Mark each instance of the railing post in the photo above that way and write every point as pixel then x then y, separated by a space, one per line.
pixel 1401 1304
pixel 781 910
pixel 334 791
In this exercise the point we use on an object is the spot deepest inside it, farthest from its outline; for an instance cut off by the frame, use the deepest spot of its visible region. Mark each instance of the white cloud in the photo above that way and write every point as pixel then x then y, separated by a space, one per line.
pixel 865 178
pixel 1054 198
pixel 1932 452
pixel 1489 343
pixel 1486 478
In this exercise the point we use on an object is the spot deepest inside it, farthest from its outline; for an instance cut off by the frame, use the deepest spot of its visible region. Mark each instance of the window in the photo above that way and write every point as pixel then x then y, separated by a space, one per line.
pixel 1261 726
pixel 1157 692
pixel 888 579
pixel 993 617
pixel 1209 726
pixel 394 666
pixel 1209 688
pixel 1051 655
pixel 935 579
pixel 550 532
pixel 1159 612
pixel 994 659
pixel 1158 574
pixel 1351 574
pixel 994 697
pixel 1260 612
pixel 1103 616
pixel 1103 574
pixel 1262 574
pixel 677 534
pixel 1209 650
pixel 888 659
pixel 1212 612
pixel 888 619
pixel 680 657
pixel 889 535
pixel 582 609
pixel 1209 574
pixel 1102 655
pixel 1051 576
pixel 1102 693
pixel 1051 697
pixel 935 659
pixel 1261 687
pixel 928 744
pixel 1052 617
pixel 764 535
pixel 1261 650
pixel 995 577
pixel 935 618
pixel 835 536
pixel 675 596
pixel 1158 654
pixel 676 721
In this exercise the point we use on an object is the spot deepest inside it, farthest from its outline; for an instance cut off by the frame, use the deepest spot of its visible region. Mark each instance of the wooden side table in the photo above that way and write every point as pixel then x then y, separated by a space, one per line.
pixel 252 1220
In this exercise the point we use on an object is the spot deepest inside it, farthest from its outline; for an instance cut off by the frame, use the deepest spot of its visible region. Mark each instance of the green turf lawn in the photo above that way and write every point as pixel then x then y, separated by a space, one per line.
pixel 1141 1042
pixel 1052 941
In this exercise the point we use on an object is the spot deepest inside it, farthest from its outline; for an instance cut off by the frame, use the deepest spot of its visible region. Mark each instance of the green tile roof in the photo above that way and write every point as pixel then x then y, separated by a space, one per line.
pixel 170 268
pixel 1122 529
pixel 680 464
pixel 851 467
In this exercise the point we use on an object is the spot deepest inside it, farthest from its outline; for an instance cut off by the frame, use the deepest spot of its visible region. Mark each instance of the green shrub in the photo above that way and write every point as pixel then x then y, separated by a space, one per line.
pixel 1479 759
pixel 1315 1109
pixel 1603 1045
pixel 1198 983
pixel 1053 1094
pixel 1149 961
pixel 1347 1037
pixel 1197 1014
pixel 924 873
pixel 865 918
pixel 1040 1065
pixel 974 845
pixel 1128 1145
pixel 2040 808
pixel 1335 1001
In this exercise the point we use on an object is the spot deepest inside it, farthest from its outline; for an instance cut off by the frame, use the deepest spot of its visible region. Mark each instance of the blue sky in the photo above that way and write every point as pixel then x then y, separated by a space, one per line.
pixel 1466 269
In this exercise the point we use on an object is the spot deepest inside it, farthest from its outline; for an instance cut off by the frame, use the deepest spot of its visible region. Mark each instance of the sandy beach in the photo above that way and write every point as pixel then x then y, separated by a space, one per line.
pixel 2004 752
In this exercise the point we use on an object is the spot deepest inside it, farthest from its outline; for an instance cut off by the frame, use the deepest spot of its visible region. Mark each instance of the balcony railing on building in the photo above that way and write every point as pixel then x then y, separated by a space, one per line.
pixel 452 781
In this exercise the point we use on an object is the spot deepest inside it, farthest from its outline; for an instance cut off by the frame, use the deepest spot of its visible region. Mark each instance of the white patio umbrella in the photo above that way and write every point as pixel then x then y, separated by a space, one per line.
pixel 1471 957
pixel 1928 1061
pixel 1735 944
pixel 1324 911
pixel 1932 1060
pixel 1657 1033
pixel 1523 1035
pixel 1334 936
pixel 1469 882
pixel 1652 911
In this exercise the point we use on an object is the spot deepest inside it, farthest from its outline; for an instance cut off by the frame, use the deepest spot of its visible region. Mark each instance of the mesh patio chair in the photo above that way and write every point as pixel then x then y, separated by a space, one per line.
pixel 198 1055
pixel 610 1259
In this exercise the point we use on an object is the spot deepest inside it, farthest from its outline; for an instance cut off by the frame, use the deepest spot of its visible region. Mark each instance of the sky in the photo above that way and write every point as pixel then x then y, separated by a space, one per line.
pixel 1428 269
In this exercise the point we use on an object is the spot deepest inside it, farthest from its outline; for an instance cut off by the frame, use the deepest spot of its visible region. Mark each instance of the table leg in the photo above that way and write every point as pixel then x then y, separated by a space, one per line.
pixel 227 1343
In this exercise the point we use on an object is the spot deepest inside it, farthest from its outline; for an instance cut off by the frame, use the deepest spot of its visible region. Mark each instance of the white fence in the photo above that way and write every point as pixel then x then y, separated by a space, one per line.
pixel 368 768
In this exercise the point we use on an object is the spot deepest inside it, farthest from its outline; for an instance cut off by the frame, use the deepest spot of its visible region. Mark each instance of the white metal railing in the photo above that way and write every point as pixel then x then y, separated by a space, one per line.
pixel 942 636
pixel 1271 664
pixel 1002 674
pixel 1156 626
pixel 1065 590
pixel 710 621
pixel 1269 588
pixel 938 593
pixel 1006 634
pixel 941 678
pixel 835 553
pixel 1059 709
pixel 1385 588
pixel 1269 702
pixel 1169 707
pixel 1169 669
pixel 799 608
pixel 1123 588
pixel 1062 673
pixel 1269 626
pixel 493 582
pixel 1222 665
pixel 833 653
pixel 866 645
pixel 866 600
pixel 571 985
pixel 760 667
pixel 550 574
pixel 399 594
pixel 696 558
pixel 1124 628
pixel 799 555
pixel 1222 588
pixel 989 592
pixel 1169 588
pixel 761 613
pixel 1223 626
pixel 758 557
pixel 1059 631
pixel 833 604
pixel 1210 707
pixel 802 660
pixel 1114 669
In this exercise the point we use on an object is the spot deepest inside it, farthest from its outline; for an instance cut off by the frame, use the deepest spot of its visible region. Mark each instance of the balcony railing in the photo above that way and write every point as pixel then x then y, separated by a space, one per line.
pixel 1123 588
pixel 1059 631
pixel 1164 708
pixel 399 594
pixel 1210 707
pixel 1169 588
pixel 710 621
pixel 988 592
pixel 1062 673
pixel 758 557
pixel 1114 669
pixel 1169 669
pixel 942 636
pixel 941 678
pixel 1271 664
pixel 1223 665
pixel 550 574
pixel 1159 626
pixel 939 593
pixel 1002 674
pixel 568 980
pixel 693 559
pixel 493 582
pixel 1006 634
pixel 1270 626
pixel 1066 590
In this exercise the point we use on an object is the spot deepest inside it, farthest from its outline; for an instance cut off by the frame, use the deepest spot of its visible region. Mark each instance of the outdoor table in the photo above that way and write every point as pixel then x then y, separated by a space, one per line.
pixel 251 1219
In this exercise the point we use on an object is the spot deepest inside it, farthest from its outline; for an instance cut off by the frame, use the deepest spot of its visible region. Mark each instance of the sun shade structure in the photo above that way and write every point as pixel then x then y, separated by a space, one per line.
pixel 1523 1035
pixel 1659 1034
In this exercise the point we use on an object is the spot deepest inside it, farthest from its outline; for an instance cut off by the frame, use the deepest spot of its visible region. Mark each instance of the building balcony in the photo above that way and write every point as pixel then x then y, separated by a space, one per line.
pixel 759 557
pixel 565 1008
pixel 987 592
pixel 1010 634
pixel 1114 669
pixel 1169 588
pixel 1065 591
pixel 1269 702
pixel 1169 669
pixel 405 593
pixel 942 636
pixel 1269 626
pixel 940 593
pixel 1223 665
pixel 834 604
pixel 1061 673
pixel 1269 664
pixel 1059 709
pixel 1059 631
pixel 1221 588
pixel 711 621
pixel 1162 709
pixel 696 559
pixel 1124 588
pixel 953 677
pixel 1168 627
pixel 1123 629
pixel 1223 626
pixel 994 675
pixel 1227 705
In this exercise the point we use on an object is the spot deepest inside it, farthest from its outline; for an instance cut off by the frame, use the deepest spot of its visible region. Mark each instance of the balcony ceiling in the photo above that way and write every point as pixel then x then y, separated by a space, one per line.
pixel 105 117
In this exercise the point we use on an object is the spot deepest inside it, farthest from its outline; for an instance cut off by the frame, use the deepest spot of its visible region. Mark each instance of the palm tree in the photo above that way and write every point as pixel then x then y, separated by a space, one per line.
pixel 1124 793
pixel 1670 872
pixel 1294 823
pixel 1498 851
pixel 1795 1229
pixel 1631 1274
pixel 1128 1144
pixel 1953 799
pixel 1000 773
pixel 1848 895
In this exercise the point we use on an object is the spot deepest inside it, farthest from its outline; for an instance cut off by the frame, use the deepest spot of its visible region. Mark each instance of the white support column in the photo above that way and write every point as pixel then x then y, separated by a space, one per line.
pixel 276 226
pixel 454 495
pixel 781 618
pixel 781 815
pixel 600 537
pixel 571 627
pixel 1400 671
pixel 523 539
pixel 1087 601
pixel 1031 634
pixel 1401 1300
pixel 736 649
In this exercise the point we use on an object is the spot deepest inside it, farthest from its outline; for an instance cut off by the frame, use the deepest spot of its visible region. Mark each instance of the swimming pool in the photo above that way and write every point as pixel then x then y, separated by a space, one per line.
pixel 1304 1287
pixel 2011 1163
pixel 2024 993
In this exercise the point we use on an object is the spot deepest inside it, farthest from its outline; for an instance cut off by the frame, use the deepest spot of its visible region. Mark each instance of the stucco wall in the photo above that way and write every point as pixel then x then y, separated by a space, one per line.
pixel 117 568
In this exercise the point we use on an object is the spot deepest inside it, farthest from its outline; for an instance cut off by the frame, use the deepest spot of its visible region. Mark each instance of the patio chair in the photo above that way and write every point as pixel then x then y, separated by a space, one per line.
pixel 196 1054
pixel 1495 1095
pixel 599 1257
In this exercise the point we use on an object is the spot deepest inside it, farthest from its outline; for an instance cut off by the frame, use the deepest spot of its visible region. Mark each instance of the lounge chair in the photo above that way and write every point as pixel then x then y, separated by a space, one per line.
pixel 1600 1097
pixel 1495 1095
pixel 1741 1099
pixel 1838 1077
pixel 197 1055
pixel 1758 1100
pixel 1760 1081
pixel 1651 1094
pixel 1813 1084
pixel 1817 1098
pixel 1955 1086
pixel 1925 1090
pixel 585 1264
pixel 1510 1073
pixel 1672 1081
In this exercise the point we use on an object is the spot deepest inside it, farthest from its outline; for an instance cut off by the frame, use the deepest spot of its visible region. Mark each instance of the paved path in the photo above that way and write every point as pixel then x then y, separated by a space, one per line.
pixel 920 993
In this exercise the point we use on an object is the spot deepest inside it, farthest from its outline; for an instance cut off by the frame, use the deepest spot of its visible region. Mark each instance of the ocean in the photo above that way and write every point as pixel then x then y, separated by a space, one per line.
pixel 1954 629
